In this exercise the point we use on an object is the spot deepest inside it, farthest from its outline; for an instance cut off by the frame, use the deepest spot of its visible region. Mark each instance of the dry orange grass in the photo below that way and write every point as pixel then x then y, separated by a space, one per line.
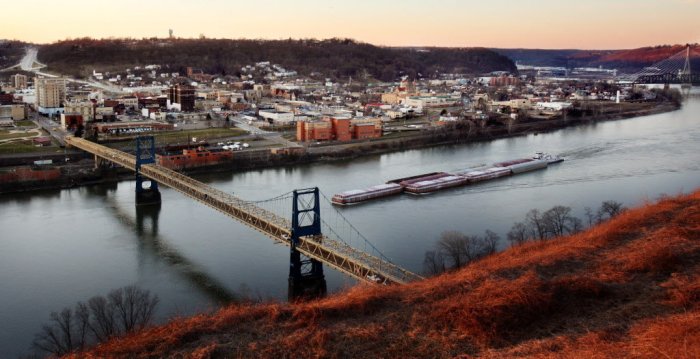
pixel 626 288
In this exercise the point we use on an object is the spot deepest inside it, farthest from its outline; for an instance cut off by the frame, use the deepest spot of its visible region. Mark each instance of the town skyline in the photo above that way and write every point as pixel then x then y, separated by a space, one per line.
pixel 544 24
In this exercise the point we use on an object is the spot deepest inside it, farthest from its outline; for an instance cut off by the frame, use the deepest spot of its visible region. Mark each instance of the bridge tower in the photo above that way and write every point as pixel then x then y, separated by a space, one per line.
pixel 145 154
pixel 685 75
pixel 306 277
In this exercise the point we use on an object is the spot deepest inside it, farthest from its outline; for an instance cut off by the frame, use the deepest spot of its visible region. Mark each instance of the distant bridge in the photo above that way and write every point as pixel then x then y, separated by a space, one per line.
pixel 673 70
pixel 307 240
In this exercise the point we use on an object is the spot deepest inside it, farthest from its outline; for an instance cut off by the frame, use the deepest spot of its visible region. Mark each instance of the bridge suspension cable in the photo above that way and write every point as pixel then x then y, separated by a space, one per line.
pixel 677 66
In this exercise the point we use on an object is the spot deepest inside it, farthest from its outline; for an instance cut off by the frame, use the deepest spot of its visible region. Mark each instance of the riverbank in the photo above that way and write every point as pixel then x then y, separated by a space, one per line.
pixel 81 171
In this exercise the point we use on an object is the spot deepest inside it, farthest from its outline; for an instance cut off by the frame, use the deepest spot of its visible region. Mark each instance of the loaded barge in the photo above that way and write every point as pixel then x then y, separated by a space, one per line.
pixel 361 195
pixel 435 181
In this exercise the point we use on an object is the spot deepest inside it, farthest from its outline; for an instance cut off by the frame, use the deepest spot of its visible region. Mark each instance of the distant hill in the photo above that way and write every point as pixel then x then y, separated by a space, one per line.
pixel 629 287
pixel 624 60
pixel 337 58
pixel 11 52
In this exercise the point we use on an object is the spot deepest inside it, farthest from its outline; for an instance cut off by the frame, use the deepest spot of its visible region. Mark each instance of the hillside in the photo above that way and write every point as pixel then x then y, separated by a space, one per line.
pixel 624 60
pixel 626 288
pixel 339 58
pixel 11 51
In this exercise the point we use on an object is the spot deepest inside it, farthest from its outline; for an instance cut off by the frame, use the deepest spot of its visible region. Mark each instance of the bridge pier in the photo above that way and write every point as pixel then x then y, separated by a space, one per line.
pixel 146 154
pixel 146 195
pixel 306 278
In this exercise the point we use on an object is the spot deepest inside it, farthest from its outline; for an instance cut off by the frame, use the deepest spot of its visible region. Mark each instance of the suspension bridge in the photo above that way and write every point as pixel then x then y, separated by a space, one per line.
pixel 673 70
pixel 306 233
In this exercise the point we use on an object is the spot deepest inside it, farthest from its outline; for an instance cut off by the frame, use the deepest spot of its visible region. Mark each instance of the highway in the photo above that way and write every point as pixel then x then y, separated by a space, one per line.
pixel 29 63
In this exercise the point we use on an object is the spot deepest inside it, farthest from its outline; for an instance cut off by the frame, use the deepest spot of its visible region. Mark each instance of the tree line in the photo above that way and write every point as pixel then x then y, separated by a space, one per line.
pixel 122 311
pixel 455 249
pixel 337 58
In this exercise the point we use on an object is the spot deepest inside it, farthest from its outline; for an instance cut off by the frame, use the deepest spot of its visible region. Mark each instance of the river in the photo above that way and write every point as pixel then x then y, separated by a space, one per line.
pixel 63 246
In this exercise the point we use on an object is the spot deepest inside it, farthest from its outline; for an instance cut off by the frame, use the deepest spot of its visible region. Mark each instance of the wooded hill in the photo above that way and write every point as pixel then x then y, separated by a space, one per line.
pixel 629 61
pixel 335 58
pixel 11 52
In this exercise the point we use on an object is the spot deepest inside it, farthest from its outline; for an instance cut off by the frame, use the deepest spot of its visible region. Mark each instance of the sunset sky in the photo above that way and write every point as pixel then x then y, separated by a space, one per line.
pixel 590 24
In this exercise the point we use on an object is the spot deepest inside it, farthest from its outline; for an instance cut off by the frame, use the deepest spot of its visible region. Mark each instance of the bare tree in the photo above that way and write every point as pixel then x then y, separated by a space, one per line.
pixel 102 322
pixel 123 310
pixel 537 225
pixel 134 307
pixel 452 245
pixel 433 263
pixel 591 217
pixel 610 209
pixel 575 225
pixel 458 249
pixel 559 221
pixel 518 234
pixel 489 243
pixel 62 336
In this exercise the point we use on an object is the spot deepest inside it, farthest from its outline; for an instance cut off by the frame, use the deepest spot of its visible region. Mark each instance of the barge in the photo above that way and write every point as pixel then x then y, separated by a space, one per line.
pixel 486 174
pixel 414 178
pixel 361 195
pixel 427 186
pixel 435 181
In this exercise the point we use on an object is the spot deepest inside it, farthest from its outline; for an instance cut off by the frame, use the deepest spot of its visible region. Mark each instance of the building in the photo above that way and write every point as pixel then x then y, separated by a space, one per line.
pixel 50 94
pixel 13 112
pixel 183 95
pixel 277 117
pixel 129 102
pixel 7 99
pixel 420 102
pixel 339 129
pixel 504 80
pixel 314 131
pixel 83 108
pixel 19 81
pixel 71 121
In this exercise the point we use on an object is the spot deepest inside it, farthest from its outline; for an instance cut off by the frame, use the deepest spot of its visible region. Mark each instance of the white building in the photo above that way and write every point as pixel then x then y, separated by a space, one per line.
pixel 557 106
pixel 277 117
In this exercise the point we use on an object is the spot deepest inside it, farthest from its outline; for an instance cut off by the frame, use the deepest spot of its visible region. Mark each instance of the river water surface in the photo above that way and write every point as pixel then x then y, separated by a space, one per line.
pixel 63 246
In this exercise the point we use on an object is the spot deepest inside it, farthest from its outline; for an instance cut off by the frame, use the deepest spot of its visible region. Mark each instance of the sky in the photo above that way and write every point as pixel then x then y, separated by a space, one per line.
pixel 554 24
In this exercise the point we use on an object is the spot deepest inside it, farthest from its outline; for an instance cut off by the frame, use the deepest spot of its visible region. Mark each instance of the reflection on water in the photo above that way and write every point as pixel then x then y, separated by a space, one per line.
pixel 151 244
pixel 24 198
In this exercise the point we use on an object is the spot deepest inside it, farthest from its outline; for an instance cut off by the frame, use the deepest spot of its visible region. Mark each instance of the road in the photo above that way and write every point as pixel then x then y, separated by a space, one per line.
pixel 29 63
pixel 52 128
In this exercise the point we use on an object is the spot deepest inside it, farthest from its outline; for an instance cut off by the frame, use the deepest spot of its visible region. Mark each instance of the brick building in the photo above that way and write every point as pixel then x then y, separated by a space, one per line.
pixel 339 129
pixel 183 95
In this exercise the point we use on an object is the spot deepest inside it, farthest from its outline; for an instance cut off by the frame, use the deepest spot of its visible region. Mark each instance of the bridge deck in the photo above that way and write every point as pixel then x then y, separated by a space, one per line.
pixel 337 254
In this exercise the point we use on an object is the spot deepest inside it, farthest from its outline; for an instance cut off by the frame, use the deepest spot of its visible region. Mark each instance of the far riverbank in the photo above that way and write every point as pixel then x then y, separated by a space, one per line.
pixel 82 171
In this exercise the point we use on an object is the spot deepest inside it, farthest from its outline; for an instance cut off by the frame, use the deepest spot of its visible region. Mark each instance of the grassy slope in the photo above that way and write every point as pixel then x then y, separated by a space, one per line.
pixel 627 288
